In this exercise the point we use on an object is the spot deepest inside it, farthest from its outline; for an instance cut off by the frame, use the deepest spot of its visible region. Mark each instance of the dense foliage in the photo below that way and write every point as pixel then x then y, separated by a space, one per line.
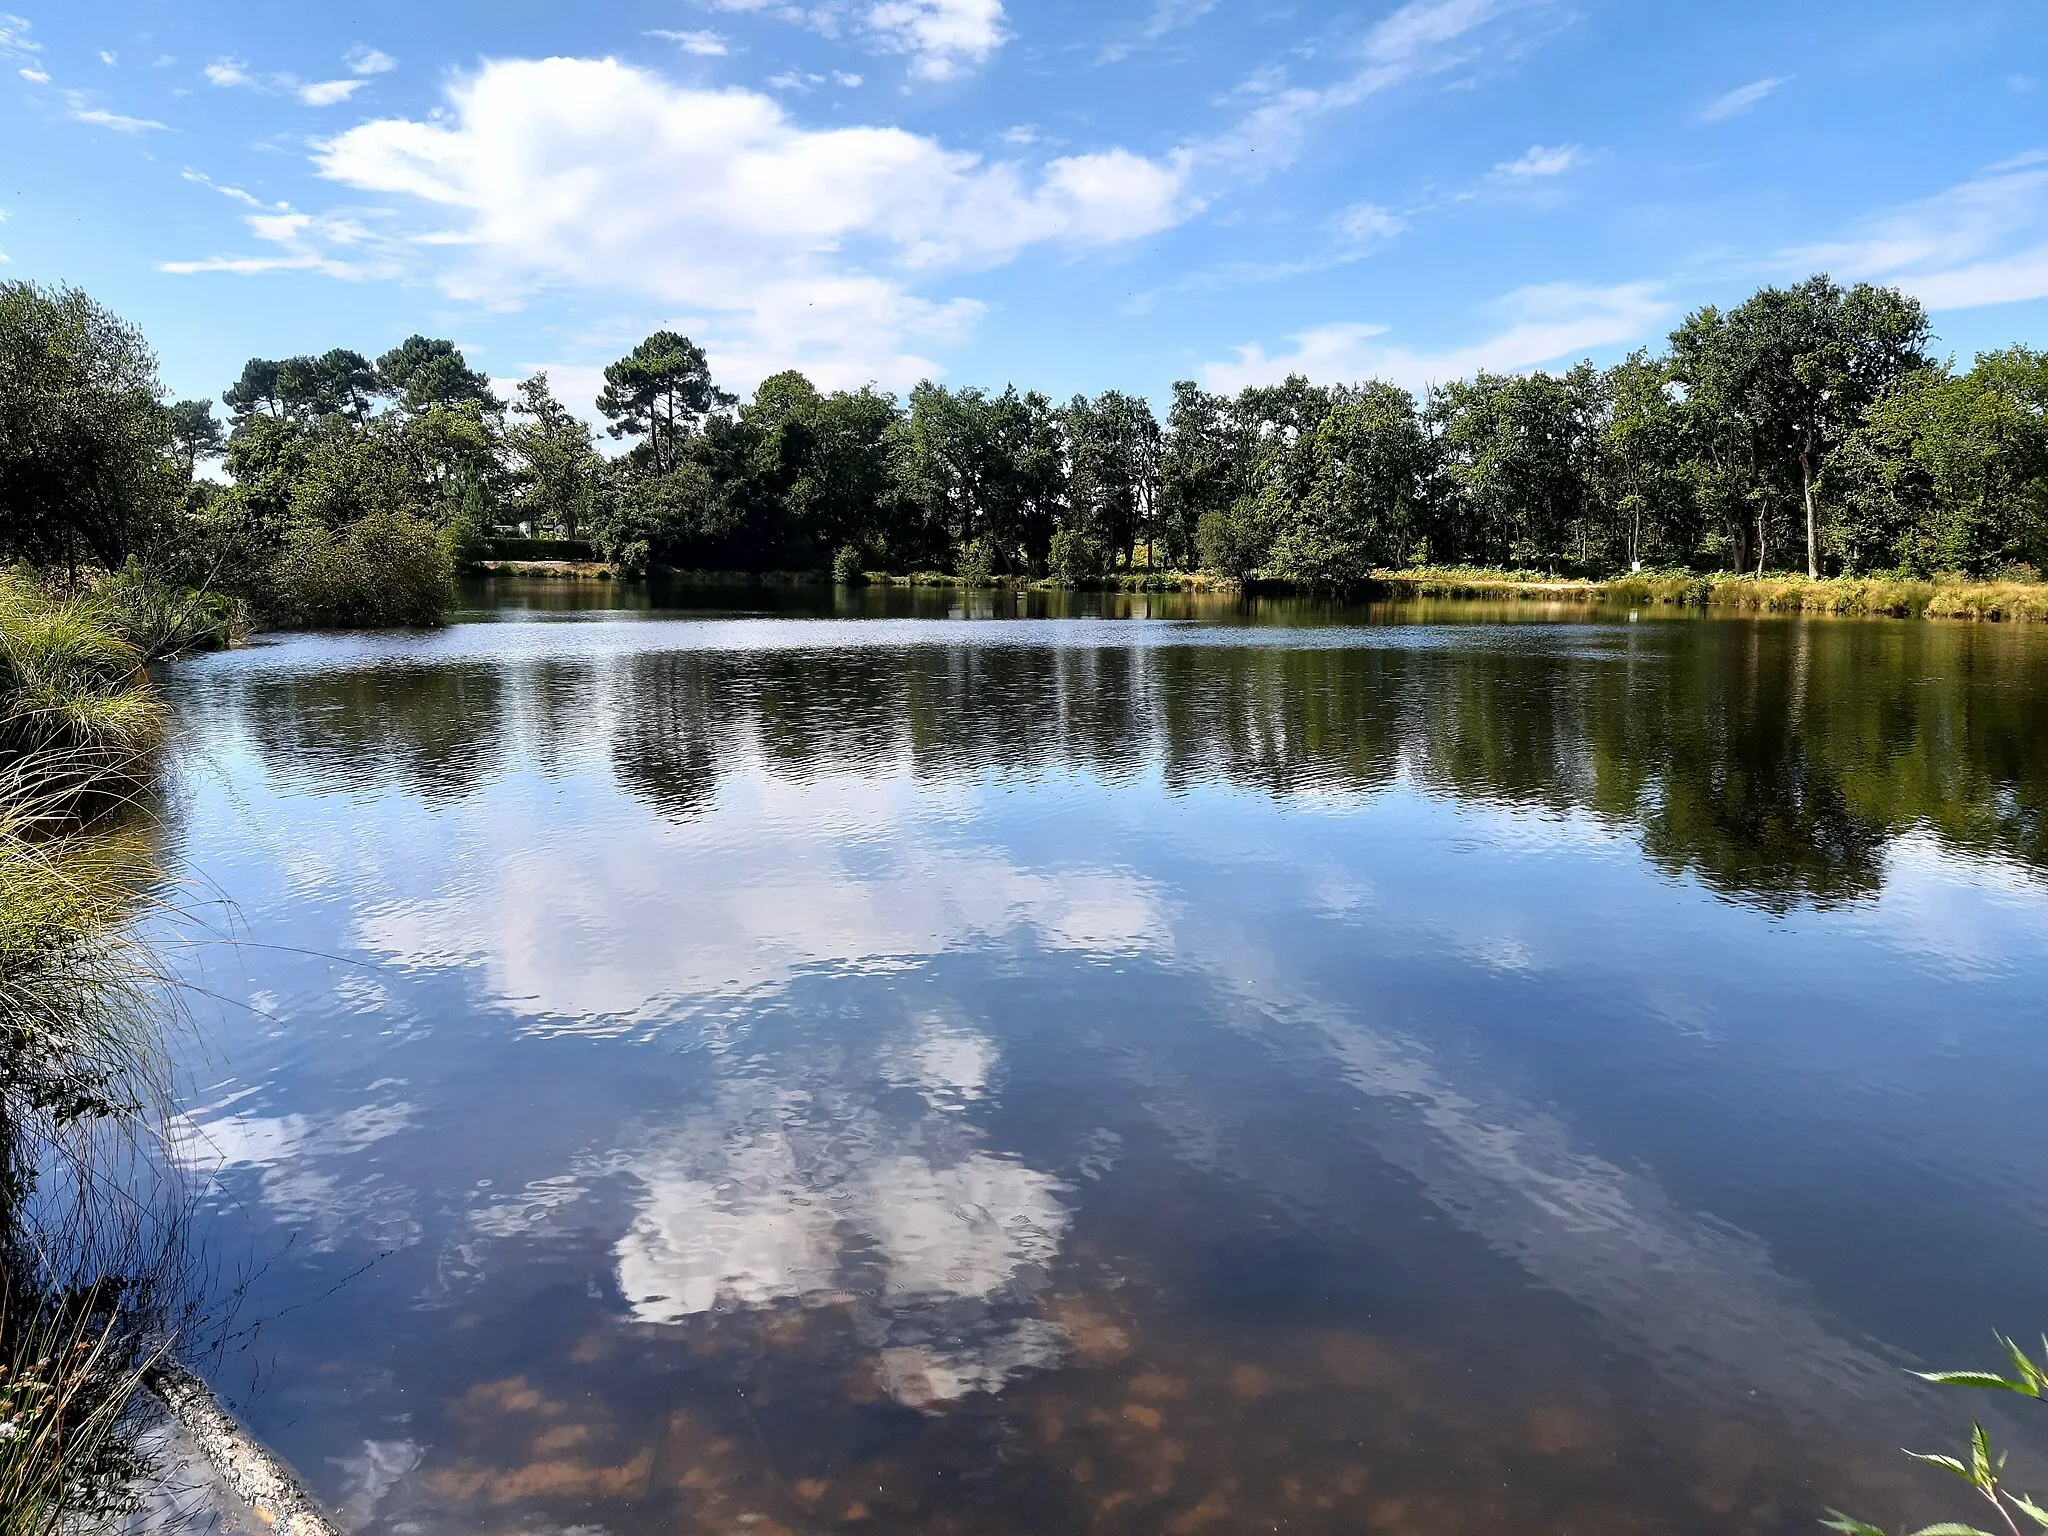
pixel 1804 430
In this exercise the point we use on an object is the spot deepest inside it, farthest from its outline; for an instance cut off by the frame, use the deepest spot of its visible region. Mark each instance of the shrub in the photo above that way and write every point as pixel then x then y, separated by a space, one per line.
pixel 847 568
pixel 977 565
pixel 388 569
pixel 1075 558
pixel 72 693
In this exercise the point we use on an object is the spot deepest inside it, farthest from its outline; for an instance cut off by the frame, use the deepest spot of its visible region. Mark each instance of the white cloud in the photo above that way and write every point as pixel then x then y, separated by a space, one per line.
pixel 793 243
pixel 33 75
pixel 1742 98
pixel 15 41
pixel 326 93
pixel 705 45
pixel 303 243
pixel 364 60
pixel 108 58
pixel 81 110
pixel 1550 323
pixel 1368 224
pixel 1420 38
pixel 1983 241
pixel 228 71
pixel 944 38
pixel 1539 161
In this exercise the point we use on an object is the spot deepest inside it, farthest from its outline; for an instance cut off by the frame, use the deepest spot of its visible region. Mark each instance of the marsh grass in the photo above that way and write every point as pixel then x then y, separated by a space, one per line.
pixel 90 1212
pixel 1946 597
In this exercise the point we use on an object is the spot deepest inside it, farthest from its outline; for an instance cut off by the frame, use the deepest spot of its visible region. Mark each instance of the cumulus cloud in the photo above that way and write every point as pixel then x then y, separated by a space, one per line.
pixel 802 245
pixel 1983 241
pixel 1742 98
pixel 1549 323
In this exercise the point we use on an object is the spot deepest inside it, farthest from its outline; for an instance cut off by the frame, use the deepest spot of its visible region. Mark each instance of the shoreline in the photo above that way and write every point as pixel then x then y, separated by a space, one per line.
pixel 1841 596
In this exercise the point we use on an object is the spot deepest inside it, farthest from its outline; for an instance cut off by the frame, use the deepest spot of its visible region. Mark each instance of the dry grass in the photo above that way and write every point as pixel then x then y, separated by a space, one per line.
pixel 1866 596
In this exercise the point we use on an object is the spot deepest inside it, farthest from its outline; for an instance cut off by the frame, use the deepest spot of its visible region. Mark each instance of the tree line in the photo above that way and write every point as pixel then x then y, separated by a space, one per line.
pixel 1806 429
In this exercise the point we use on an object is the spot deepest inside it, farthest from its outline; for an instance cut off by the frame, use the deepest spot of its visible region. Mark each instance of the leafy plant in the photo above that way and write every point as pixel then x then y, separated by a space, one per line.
pixel 1983 1469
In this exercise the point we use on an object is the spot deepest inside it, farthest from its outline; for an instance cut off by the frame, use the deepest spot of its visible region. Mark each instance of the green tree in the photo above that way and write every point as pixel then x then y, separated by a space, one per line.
pixel 660 393
pixel 196 434
pixel 1114 447
pixel 554 464
pixel 421 371
pixel 1369 457
pixel 87 467
pixel 1792 371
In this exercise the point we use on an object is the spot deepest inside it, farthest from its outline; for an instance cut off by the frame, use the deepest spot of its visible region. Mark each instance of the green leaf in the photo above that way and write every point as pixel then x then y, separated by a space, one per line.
pixel 1849 1526
pixel 1950 1528
pixel 2031 1380
pixel 1946 1463
pixel 1982 1471
pixel 1974 1379
pixel 2034 1511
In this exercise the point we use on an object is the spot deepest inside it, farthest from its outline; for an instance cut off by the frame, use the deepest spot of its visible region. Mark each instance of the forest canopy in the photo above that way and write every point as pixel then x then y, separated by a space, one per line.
pixel 1806 429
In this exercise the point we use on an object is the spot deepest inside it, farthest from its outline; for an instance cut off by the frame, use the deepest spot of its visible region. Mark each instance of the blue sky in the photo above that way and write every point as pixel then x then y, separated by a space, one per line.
pixel 1072 196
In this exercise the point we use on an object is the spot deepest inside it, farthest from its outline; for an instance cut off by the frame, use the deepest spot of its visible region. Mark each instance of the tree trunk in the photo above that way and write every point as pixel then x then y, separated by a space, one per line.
pixel 1812 541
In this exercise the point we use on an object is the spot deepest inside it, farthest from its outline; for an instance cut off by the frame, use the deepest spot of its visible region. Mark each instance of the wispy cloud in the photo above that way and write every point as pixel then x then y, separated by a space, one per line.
pixel 1424 37
pixel 944 39
pixel 1742 98
pixel 231 73
pixel 1549 323
pixel 16 41
pixel 80 109
pixel 365 60
pixel 705 45
pixel 19 47
pixel 1983 241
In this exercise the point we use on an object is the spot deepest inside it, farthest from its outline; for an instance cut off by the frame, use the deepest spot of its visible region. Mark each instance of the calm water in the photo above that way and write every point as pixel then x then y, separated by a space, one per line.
pixel 1152 1068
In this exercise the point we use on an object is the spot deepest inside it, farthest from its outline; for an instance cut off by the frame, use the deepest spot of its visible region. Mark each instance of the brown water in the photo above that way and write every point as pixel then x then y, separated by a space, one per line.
pixel 803 1062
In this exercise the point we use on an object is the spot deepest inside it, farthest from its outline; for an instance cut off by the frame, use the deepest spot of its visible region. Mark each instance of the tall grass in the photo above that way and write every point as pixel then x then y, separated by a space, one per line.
pixel 1944 597
pixel 88 1250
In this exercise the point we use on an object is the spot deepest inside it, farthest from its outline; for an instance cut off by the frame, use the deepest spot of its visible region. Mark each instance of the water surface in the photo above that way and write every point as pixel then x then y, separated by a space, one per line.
pixel 786 1062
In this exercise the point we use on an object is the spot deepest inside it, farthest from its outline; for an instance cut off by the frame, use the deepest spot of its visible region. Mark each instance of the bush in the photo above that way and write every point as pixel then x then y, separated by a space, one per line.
pixel 1233 540
pixel 388 569
pixel 1075 558
pixel 847 568
pixel 72 692
pixel 977 564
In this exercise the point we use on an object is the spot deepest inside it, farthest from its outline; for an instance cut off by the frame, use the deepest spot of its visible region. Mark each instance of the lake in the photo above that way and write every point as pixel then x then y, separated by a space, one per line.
pixel 796 1061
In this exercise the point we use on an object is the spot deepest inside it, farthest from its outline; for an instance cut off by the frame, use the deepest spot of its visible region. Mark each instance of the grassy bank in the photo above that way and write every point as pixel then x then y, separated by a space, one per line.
pixel 87 1259
pixel 1118 581
pixel 1870 596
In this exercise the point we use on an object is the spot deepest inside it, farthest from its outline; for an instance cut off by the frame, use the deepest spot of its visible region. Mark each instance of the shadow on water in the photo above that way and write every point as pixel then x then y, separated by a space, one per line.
pixel 1278 1067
